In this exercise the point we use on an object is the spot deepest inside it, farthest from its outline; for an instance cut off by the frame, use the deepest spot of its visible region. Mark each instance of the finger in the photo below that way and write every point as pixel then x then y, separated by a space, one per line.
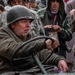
pixel 55 45
pixel 65 69
pixel 61 68
pixel 52 49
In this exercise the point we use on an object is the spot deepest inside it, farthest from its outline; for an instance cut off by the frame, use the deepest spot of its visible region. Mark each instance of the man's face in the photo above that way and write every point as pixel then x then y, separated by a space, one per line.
pixel 21 28
pixel 33 4
pixel 16 2
pixel 55 5
pixel 26 4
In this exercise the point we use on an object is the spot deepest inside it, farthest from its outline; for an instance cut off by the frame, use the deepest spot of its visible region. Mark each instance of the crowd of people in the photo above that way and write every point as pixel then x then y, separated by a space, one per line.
pixel 50 23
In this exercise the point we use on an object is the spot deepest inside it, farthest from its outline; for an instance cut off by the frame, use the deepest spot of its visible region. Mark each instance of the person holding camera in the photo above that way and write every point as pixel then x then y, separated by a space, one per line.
pixel 53 18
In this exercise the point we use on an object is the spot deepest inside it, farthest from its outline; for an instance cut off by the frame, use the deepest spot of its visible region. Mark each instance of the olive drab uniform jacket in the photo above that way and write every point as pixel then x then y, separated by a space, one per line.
pixel 9 43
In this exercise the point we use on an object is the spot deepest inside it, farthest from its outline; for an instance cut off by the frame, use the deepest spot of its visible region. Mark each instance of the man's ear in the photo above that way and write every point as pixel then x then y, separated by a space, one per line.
pixel 13 25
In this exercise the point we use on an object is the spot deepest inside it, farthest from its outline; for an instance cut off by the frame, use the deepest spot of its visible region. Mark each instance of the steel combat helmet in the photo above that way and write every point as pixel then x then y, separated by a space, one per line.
pixel 18 12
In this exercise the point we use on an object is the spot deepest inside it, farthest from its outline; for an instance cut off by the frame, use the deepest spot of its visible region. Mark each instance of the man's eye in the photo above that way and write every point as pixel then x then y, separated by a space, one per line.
pixel 23 21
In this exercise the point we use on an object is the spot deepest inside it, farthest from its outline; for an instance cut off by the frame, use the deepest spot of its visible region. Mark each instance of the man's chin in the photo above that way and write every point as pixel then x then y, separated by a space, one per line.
pixel 24 35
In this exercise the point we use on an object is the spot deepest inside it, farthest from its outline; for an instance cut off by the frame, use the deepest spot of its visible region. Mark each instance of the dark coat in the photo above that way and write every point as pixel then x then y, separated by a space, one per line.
pixel 66 33
pixel 9 43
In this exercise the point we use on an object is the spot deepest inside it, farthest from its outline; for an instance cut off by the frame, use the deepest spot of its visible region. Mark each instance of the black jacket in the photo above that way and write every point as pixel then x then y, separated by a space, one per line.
pixel 66 33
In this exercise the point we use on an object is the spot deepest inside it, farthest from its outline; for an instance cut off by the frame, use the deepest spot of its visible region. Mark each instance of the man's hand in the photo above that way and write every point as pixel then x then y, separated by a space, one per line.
pixel 48 26
pixel 63 66
pixel 51 45
pixel 72 11
pixel 57 28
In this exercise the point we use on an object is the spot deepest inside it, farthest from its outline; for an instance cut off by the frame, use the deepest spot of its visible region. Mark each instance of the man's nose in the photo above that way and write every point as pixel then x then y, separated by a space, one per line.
pixel 28 24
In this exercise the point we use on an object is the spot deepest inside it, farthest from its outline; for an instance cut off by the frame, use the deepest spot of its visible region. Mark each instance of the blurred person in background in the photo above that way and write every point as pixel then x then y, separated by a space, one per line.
pixel 42 3
pixel 52 18
pixel 1 9
pixel 26 3
pixel 2 2
pixel 34 5
pixel 69 6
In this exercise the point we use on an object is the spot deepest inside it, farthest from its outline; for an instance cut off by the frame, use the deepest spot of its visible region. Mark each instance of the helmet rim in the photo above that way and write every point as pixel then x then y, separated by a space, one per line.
pixel 18 12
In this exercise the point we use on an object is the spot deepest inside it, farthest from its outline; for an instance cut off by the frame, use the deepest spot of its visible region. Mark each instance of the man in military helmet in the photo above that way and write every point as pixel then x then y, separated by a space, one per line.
pixel 36 25
pixel 15 34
